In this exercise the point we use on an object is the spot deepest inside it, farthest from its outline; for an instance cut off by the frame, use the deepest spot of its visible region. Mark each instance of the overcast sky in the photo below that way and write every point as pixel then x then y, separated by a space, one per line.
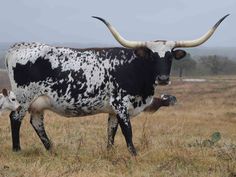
pixel 50 21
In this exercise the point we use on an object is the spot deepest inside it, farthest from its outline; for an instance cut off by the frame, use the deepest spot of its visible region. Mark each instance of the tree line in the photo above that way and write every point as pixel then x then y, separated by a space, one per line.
pixel 204 65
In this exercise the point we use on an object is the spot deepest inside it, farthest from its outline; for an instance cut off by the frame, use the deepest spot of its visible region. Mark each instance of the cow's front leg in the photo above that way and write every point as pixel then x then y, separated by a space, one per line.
pixel 111 130
pixel 15 119
pixel 36 121
pixel 120 108
pixel 126 129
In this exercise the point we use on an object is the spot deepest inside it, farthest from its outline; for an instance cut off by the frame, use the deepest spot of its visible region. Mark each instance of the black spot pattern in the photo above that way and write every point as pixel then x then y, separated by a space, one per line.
pixel 91 77
pixel 41 71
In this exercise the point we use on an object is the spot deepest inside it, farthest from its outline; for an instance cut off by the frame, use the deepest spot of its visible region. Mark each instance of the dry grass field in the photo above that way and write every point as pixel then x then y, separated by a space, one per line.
pixel 170 142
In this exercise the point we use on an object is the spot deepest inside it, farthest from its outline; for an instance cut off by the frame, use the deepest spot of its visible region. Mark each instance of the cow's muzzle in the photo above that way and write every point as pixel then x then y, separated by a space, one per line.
pixel 163 80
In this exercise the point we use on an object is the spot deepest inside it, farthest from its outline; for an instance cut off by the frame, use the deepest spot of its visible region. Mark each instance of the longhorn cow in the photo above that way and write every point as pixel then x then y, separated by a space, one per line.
pixel 72 82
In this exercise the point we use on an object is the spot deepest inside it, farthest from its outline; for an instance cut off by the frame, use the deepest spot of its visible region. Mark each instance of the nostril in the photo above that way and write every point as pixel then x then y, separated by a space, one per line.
pixel 163 78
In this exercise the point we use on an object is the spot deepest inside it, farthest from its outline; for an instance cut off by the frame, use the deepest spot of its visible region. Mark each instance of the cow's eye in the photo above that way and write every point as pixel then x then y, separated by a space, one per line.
pixel 13 99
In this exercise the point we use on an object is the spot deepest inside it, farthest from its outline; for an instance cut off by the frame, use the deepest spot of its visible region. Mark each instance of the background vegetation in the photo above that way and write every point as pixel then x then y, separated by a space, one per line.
pixel 204 66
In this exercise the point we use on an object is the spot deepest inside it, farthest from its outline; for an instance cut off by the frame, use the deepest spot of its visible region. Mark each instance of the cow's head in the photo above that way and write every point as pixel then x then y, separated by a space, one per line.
pixel 8 101
pixel 162 51
pixel 168 100
pixel 165 100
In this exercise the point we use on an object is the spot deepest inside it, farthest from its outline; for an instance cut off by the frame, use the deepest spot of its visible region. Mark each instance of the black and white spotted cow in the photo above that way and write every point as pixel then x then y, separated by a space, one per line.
pixel 76 82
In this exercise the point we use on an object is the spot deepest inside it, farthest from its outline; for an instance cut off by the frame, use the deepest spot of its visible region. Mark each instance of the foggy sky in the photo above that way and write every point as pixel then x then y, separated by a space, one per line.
pixel 50 21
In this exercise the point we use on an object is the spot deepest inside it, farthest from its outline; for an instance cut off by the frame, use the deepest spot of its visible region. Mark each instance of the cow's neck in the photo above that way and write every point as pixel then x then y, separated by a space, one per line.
pixel 136 77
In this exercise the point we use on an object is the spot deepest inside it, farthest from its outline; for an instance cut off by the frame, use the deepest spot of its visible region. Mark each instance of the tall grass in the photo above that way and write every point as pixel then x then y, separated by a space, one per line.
pixel 168 141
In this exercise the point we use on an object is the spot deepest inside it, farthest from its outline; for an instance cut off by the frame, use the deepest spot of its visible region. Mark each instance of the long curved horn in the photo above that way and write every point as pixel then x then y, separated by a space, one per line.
pixel 202 39
pixel 119 38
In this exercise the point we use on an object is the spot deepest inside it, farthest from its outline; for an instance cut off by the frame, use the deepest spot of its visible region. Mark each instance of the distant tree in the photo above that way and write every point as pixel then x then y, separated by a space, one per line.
pixel 218 65
pixel 185 66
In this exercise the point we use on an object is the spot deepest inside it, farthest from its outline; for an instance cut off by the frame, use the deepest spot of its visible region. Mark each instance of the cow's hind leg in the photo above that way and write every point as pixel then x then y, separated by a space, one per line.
pixel 15 118
pixel 36 121
pixel 111 130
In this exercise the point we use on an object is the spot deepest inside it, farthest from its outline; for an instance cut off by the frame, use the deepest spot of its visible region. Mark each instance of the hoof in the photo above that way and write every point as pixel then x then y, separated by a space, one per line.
pixel 132 151
pixel 48 145
pixel 16 149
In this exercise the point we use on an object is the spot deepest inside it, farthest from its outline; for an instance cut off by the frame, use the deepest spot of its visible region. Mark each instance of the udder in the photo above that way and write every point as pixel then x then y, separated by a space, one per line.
pixel 40 104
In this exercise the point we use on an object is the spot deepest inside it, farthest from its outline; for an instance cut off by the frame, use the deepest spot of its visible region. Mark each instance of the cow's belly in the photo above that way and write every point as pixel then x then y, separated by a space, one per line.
pixel 99 104
pixel 70 107
pixel 70 110
pixel 90 106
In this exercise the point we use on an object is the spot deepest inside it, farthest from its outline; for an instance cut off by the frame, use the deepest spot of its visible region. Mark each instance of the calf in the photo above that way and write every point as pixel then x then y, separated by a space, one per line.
pixel 165 100
pixel 8 101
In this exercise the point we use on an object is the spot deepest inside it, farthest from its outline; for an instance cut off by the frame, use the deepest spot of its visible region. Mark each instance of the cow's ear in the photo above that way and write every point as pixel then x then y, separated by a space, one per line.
pixel 178 54
pixel 4 92
pixel 143 52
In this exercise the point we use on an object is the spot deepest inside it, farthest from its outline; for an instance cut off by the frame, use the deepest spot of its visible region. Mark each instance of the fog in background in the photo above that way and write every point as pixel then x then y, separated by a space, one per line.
pixel 60 21
pixel 69 23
